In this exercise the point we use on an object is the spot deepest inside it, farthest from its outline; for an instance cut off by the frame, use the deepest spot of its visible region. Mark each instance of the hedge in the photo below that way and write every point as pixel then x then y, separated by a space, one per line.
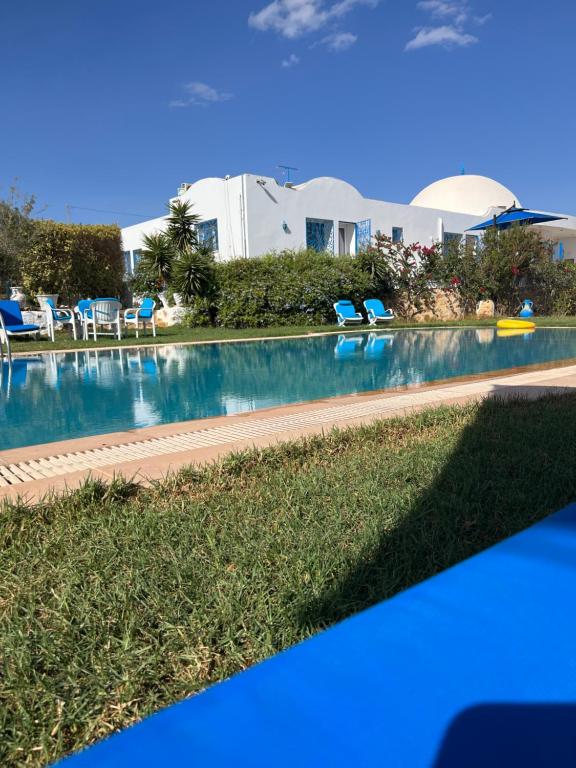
pixel 289 288
pixel 74 260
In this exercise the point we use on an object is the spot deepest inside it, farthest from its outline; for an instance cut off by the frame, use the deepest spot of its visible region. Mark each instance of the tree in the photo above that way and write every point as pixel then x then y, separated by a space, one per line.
pixel 17 234
pixel 175 259
pixel 516 263
pixel 182 228
pixel 193 273
pixel 157 258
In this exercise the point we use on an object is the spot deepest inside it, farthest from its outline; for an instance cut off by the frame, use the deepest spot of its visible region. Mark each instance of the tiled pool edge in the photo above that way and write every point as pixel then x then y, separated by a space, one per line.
pixel 34 470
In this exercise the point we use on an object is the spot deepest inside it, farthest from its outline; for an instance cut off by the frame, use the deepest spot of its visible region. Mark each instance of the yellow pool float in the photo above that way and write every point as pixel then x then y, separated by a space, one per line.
pixel 512 324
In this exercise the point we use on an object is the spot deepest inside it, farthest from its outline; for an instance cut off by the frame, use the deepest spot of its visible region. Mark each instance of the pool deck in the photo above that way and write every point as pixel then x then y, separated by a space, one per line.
pixel 150 453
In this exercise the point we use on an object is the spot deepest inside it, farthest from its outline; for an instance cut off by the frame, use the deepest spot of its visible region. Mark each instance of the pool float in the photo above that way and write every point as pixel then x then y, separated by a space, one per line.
pixel 511 324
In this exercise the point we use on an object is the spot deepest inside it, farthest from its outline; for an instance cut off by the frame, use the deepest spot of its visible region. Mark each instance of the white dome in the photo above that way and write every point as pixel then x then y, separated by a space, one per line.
pixel 475 195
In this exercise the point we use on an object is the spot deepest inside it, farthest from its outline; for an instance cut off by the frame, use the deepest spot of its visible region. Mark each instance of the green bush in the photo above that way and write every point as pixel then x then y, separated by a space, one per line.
pixel 507 267
pixel 288 288
pixel 73 260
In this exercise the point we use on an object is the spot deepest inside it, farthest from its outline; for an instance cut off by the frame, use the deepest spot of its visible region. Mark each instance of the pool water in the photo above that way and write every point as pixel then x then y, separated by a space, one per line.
pixel 58 396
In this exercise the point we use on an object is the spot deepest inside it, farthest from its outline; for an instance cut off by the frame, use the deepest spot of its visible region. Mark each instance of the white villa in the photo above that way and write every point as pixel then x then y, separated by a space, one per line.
pixel 248 215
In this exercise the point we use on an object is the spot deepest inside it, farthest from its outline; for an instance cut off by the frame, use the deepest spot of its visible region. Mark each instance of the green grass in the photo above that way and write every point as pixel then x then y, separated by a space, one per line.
pixel 116 600
pixel 179 335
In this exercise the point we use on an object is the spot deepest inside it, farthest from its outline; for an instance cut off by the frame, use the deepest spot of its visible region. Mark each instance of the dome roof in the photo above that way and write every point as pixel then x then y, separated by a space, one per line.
pixel 475 195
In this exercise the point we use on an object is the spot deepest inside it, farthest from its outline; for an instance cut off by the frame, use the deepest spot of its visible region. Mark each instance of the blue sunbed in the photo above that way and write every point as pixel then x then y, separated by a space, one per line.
pixel 376 312
pixel 12 324
pixel 346 313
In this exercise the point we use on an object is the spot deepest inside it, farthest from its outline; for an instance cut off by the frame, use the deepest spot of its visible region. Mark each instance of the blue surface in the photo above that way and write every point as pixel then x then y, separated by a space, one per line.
pixel 474 668
pixel 375 308
pixel 11 313
pixel 516 216
pixel 86 393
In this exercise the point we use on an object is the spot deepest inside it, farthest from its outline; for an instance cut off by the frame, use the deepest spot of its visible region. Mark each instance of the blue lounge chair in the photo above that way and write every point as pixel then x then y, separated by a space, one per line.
pixel 142 314
pixel 12 324
pixel 376 312
pixel 59 315
pixel 346 313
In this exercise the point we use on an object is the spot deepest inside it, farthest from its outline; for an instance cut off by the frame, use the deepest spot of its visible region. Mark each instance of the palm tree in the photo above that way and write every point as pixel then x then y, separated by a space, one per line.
pixel 182 226
pixel 158 258
pixel 193 273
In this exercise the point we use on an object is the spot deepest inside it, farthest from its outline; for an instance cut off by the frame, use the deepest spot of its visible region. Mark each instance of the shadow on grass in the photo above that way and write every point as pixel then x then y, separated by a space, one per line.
pixel 513 465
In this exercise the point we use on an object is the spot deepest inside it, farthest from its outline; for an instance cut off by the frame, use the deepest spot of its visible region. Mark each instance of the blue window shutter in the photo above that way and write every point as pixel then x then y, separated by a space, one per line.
pixel 320 235
pixel 363 234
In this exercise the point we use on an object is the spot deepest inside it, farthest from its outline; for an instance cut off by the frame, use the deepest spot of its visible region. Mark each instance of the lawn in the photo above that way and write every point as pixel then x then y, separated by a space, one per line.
pixel 181 335
pixel 116 600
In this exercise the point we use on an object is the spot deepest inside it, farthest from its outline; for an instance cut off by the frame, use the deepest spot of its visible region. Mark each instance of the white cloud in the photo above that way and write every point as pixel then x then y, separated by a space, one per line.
pixel 294 18
pixel 452 17
pixel 481 20
pixel 291 61
pixel 446 36
pixel 339 41
pixel 446 10
pixel 200 95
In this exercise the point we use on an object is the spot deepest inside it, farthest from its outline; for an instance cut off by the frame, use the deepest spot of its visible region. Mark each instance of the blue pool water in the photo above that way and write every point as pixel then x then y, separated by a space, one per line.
pixel 59 396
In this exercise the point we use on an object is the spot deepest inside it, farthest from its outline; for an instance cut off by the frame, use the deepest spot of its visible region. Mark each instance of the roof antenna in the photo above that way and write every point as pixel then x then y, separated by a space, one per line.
pixel 462 170
pixel 286 170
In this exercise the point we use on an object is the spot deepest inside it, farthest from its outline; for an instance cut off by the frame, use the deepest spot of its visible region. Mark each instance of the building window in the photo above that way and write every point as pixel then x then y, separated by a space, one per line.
pixel 451 240
pixel 136 256
pixel 363 235
pixel 472 242
pixel 127 262
pixel 397 234
pixel 320 234
pixel 208 234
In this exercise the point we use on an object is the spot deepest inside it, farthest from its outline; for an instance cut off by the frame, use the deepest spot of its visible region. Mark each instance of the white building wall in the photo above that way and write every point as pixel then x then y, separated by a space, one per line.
pixel 255 215
pixel 212 198
pixel 270 206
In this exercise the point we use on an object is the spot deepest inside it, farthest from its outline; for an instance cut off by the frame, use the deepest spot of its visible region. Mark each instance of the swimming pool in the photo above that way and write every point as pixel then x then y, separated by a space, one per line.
pixel 58 396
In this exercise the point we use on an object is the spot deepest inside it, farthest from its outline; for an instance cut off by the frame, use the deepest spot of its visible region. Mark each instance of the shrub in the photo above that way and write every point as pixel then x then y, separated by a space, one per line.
pixel 289 288
pixel 73 260
pixel 404 271
pixel 509 266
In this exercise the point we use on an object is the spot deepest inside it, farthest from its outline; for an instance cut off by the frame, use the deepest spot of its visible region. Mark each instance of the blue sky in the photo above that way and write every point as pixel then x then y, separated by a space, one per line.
pixel 110 105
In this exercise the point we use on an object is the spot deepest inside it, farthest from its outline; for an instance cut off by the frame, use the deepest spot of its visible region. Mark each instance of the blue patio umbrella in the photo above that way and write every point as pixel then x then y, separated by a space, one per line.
pixel 514 215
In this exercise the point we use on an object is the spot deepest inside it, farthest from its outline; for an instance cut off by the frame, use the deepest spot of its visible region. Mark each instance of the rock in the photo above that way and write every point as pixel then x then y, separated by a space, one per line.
pixel 168 316
pixel 444 305
pixel 485 308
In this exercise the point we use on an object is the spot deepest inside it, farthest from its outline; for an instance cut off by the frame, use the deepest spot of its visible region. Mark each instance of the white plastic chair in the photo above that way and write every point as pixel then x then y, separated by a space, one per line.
pixel 142 314
pixel 103 312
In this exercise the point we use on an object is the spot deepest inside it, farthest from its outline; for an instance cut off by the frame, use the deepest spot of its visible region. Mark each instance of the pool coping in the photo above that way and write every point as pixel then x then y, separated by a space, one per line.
pixel 150 453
